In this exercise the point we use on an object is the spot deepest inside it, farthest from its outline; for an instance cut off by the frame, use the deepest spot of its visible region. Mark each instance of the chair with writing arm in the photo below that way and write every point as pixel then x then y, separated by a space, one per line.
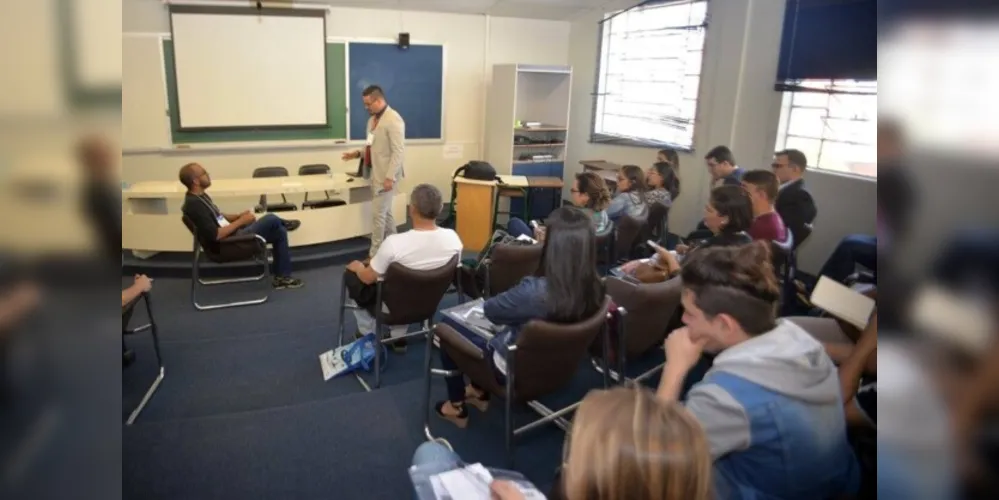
pixel 641 323
pixel 627 231
pixel 404 296
pixel 501 271
pixel 543 360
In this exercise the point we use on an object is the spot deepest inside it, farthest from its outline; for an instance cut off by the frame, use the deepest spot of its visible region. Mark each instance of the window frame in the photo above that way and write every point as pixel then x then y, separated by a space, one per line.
pixel 618 140
pixel 831 88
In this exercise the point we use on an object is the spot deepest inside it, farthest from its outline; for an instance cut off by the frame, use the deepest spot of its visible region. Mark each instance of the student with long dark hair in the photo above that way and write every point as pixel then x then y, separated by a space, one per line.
pixel 630 198
pixel 663 184
pixel 728 215
pixel 670 156
pixel 566 290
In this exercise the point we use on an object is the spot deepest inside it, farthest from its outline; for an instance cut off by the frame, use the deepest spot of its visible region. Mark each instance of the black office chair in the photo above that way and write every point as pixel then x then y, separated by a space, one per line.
pixel 318 169
pixel 263 206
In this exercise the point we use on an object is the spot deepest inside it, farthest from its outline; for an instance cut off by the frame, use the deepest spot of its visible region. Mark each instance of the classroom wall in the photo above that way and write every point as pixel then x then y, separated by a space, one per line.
pixel 473 43
pixel 737 107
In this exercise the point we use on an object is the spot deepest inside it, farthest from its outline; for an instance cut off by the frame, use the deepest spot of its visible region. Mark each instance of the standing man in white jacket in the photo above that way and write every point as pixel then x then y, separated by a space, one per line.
pixel 382 161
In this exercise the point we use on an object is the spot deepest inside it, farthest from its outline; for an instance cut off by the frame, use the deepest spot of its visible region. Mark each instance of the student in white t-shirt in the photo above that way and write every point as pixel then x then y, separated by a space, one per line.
pixel 422 248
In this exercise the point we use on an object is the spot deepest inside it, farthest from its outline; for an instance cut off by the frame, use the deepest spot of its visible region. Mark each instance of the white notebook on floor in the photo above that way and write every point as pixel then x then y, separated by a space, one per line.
pixel 842 302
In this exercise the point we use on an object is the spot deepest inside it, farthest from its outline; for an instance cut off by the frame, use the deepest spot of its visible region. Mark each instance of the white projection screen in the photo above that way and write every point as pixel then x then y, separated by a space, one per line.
pixel 249 68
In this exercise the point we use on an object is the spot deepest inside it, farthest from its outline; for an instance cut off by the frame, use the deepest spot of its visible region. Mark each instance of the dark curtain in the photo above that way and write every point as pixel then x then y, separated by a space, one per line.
pixel 828 40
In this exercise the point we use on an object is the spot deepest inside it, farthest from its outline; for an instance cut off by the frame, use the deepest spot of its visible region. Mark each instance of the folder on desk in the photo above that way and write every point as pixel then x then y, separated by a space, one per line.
pixel 471 316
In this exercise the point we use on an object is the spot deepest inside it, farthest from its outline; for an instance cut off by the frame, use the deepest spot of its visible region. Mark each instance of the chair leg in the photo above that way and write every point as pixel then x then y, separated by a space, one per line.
pixel 549 416
pixel 427 363
pixel 488 284
pixel 605 337
pixel 508 416
pixel 196 280
pixel 159 360
pixel 145 399
pixel 622 341
pixel 378 337
pixel 343 310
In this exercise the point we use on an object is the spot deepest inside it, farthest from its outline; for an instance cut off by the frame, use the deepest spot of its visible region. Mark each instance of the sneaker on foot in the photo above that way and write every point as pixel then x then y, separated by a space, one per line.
pixel 399 346
pixel 284 282
pixel 291 224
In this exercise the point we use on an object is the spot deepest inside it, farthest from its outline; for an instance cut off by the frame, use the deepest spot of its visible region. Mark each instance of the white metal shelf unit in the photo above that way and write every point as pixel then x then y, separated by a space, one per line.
pixel 527 123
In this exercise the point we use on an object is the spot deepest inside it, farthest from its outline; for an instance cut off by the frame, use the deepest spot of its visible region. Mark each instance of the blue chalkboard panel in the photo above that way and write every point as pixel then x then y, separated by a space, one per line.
pixel 413 80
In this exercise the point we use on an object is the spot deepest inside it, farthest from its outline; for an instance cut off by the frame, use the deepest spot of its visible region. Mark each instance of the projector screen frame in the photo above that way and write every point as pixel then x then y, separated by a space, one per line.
pixel 247 11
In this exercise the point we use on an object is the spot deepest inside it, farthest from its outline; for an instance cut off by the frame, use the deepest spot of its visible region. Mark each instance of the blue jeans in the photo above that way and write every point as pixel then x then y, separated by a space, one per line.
pixel 272 229
pixel 434 458
pixel 432 452
pixel 854 249
pixel 971 258
pixel 517 227
pixel 456 384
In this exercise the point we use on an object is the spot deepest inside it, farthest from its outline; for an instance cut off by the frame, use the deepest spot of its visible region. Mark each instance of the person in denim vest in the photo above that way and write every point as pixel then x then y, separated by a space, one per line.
pixel 771 404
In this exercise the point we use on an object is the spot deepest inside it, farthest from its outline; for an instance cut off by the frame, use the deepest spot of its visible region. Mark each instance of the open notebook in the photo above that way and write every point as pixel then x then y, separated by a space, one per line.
pixel 844 303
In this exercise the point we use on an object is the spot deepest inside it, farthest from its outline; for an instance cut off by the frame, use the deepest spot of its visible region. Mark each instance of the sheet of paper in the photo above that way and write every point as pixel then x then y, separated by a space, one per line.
pixel 331 363
pixel 842 302
pixel 476 311
pixel 454 151
pixel 470 482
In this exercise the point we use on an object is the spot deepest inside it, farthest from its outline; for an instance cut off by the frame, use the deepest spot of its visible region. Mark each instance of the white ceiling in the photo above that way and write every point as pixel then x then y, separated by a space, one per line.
pixel 533 9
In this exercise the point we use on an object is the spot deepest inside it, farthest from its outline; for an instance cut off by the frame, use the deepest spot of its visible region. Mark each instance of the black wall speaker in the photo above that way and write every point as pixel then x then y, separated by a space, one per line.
pixel 403 41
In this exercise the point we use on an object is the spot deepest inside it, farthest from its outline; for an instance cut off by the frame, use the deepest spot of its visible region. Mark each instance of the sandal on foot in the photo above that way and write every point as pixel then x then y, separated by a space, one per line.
pixel 480 403
pixel 460 420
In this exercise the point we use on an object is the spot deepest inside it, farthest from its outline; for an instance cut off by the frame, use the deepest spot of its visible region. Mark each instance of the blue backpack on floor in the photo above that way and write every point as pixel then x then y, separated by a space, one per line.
pixel 360 355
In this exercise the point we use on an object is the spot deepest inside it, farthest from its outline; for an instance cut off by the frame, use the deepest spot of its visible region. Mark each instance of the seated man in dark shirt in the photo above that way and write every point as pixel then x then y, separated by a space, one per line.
pixel 724 172
pixel 794 203
pixel 212 225
pixel 762 187
pixel 722 167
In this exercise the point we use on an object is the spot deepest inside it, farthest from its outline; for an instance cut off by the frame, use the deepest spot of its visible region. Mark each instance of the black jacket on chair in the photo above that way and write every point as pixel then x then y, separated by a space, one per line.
pixel 796 207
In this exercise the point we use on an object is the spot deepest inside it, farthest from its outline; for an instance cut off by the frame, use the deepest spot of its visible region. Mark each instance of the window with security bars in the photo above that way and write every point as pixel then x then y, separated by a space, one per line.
pixel 835 123
pixel 650 74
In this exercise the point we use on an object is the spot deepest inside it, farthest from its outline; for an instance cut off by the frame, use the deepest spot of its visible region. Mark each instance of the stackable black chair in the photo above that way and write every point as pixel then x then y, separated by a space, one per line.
pixel 263 206
pixel 318 169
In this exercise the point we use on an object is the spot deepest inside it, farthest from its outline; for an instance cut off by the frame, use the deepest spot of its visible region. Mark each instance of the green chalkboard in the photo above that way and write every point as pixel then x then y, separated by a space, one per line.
pixel 336 107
